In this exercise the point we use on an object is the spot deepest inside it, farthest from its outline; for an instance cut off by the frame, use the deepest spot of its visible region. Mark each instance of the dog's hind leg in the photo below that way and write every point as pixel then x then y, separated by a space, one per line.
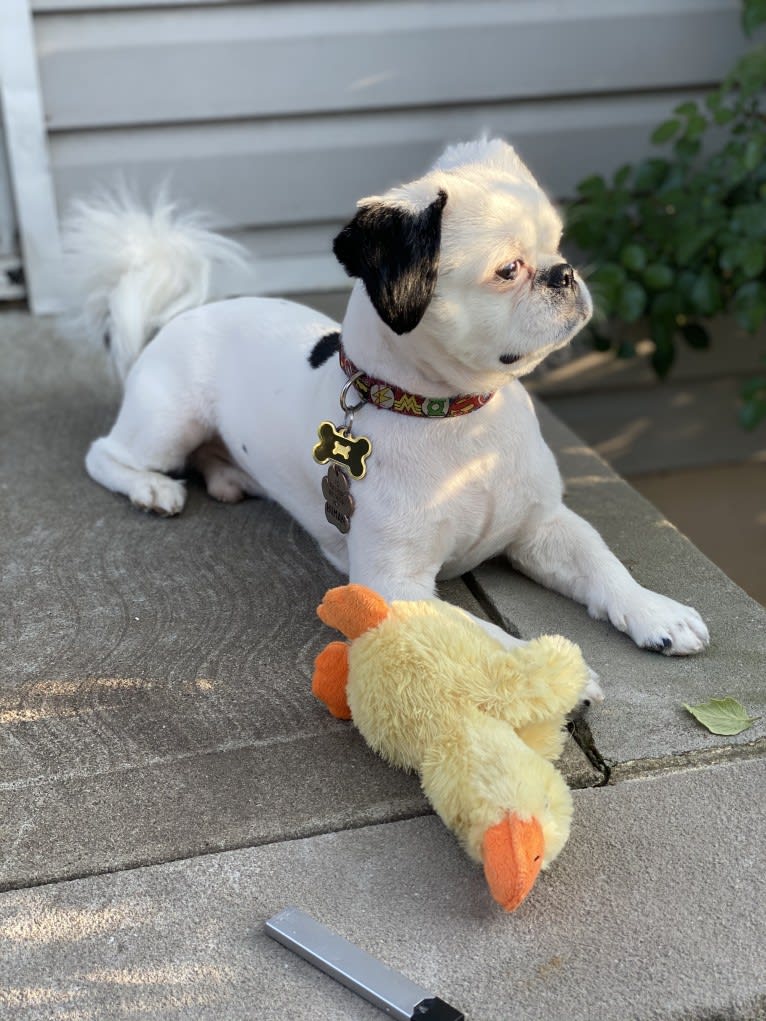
pixel 109 464
pixel 155 432
pixel 223 479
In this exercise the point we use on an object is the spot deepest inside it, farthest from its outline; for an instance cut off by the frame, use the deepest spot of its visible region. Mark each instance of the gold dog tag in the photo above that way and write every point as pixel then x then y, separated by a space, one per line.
pixel 338 445
pixel 348 456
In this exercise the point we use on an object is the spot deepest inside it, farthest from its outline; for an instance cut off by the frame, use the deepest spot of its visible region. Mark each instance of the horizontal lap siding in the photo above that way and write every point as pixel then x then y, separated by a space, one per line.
pixel 292 60
pixel 277 117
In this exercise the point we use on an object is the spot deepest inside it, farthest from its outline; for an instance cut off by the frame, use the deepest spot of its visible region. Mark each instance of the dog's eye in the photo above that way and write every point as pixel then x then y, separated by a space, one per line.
pixel 509 270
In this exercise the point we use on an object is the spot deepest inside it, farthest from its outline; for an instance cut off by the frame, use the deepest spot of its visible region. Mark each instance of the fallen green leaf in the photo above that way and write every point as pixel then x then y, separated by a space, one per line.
pixel 722 716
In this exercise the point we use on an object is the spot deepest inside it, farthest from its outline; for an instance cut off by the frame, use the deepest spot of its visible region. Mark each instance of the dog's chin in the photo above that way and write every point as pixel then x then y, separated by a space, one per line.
pixel 561 334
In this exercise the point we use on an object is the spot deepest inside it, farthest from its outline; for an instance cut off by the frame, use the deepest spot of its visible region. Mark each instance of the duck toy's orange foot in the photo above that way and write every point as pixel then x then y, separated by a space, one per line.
pixel 432 692
pixel 330 679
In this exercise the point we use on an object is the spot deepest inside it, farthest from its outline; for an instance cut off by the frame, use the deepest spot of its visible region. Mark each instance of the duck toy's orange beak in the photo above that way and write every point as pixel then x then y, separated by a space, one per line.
pixel 513 853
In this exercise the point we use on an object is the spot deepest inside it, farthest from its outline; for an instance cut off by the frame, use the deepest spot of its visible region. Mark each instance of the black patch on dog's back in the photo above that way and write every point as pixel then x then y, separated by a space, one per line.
pixel 324 349
pixel 395 253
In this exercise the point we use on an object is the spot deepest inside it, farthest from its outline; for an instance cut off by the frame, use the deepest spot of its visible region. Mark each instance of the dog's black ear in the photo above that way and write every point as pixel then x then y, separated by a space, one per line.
pixel 395 253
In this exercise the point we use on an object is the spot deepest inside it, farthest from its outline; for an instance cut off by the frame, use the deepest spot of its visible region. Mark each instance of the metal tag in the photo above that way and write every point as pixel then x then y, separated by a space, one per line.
pixel 339 505
pixel 338 445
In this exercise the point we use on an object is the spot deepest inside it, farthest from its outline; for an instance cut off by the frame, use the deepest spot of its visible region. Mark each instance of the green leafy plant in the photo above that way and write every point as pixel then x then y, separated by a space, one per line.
pixel 679 239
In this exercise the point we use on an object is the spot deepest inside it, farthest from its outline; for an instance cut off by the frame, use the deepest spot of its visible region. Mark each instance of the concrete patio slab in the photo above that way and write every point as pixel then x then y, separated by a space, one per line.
pixel 654 910
pixel 155 692
pixel 168 779
pixel 642 723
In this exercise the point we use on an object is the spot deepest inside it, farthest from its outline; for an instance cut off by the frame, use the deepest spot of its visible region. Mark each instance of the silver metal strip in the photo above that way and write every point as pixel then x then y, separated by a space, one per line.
pixel 347 963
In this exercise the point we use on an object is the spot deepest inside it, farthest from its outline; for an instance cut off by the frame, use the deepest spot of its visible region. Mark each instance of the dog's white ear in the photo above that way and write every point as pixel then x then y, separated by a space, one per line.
pixel 395 252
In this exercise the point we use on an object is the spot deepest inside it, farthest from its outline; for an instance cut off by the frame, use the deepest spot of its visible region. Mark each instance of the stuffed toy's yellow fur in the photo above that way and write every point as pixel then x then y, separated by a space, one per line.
pixel 432 692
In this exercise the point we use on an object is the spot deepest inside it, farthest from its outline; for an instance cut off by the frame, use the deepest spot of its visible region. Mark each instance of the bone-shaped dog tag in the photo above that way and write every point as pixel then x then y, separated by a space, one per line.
pixel 340 446
pixel 339 506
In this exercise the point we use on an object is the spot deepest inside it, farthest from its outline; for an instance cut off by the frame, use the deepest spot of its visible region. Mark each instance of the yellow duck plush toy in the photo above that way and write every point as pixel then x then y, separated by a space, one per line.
pixel 432 692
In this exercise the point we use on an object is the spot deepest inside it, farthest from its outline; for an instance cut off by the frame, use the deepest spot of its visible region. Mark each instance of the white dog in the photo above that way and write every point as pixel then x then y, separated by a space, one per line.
pixel 460 290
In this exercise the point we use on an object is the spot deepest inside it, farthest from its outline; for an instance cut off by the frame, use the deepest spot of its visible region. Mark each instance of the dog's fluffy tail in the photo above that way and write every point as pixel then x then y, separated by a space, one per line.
pixel 130 269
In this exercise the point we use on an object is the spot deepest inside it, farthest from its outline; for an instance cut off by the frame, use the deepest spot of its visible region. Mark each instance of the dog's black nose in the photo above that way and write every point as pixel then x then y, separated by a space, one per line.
pixel 561 275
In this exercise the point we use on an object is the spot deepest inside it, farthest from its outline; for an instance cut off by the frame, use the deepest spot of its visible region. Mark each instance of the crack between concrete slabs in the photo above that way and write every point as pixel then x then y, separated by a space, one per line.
pixel 577 725
pixel 701 758
pixel 405 814
pixel 618 772
pixel 493 614
pixel 581 734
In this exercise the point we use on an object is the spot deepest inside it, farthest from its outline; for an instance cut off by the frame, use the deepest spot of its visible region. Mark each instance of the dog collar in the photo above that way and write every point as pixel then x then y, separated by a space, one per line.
pixel 393 398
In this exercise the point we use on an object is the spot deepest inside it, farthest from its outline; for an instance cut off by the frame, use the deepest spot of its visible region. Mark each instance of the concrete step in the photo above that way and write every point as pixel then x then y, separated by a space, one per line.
pixel 722 509
pixel 654 910
pixel 155 716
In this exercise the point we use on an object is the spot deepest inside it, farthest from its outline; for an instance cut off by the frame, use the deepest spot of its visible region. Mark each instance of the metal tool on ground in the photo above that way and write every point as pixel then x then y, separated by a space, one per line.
pixel 359 971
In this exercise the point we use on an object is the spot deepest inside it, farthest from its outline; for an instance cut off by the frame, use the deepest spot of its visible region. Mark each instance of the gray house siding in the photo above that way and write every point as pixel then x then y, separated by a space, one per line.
pixel 277 117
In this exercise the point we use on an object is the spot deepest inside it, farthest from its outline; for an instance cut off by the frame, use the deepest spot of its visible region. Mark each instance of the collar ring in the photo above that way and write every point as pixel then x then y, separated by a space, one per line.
pixel 349 409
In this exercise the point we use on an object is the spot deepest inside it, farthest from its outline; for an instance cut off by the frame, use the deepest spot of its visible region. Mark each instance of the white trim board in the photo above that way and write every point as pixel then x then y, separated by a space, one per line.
pixel 28 159
pixel 7 212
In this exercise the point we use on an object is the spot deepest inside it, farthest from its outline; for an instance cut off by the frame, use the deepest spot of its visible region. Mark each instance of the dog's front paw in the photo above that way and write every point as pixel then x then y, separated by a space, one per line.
pixel 593 692
pixel 660 624
pixel 152 491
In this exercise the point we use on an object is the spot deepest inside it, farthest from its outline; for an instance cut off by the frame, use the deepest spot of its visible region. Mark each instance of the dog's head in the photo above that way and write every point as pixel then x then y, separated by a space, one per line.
pixel 463 267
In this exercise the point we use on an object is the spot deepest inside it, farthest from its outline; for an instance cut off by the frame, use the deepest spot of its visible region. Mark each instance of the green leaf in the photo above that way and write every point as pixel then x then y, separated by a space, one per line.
pixel 686 148
pixel 663 355
pixel 749 72
pixel 753 387
pixel 728 260
pixel 592 186
pixel 650 174
pixel 750 219
pixel 665 131
pixel 753 152
pixel 723 116
pixel 658 277
pixel 706 294
pixel 752 258
pixel 696 336
pixel 665 308
pixel 622 176
pixel 750 305
pixel 753 15
pixel 722 716
pixel 631 302
pixel 752 413
pixel 692 240
pixel 633 257
pixel 607 283
pixel 696 126
pixel 662 316
pixel 687 109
